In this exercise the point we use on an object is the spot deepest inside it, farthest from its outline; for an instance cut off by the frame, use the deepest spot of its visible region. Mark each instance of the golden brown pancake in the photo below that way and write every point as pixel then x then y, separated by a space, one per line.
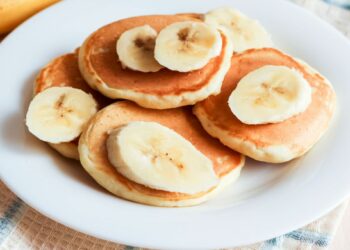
pixel 63 71
pixel 278 142
pixel 94 155
pixel 99 64
pixel 194 15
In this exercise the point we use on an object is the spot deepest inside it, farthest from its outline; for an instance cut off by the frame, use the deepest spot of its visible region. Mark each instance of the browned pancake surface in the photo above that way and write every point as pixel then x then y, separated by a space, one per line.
pixel 297 132
pixel 64 71
pixel 100 56
pixel 180 120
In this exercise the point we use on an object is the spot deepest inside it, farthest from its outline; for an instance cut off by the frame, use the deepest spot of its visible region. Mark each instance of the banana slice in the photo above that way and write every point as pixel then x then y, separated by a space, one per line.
pixel 156 156
pixel 135 49
pixel 244 32
pixel 187 46
pixel 58 114
pixel 270 94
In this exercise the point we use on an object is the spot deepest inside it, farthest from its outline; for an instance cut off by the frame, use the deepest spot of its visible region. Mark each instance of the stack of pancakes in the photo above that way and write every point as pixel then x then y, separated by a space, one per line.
pixel 166 96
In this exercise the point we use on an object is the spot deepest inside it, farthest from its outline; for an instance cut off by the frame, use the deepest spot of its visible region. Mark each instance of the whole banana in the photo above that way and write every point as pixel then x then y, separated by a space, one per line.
pixel 13 12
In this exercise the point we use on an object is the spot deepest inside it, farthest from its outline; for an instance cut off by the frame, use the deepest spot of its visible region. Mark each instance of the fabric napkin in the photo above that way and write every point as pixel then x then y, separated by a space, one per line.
pixel 21 227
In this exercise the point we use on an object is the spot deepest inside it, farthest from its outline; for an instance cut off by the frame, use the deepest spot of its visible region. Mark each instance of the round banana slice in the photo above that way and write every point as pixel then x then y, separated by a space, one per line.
pixel 187 46
pixel 270 94
pixel 244 32
pixel 156 156
pixel 63 71
pixel 135 49
pixel 58 114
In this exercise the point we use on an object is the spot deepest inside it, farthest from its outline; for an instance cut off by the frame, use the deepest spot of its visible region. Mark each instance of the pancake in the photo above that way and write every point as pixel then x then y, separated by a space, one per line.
pixel 94 155
pixel 312 71
pixel 63 71
pixel 278 142
pixel 99 64
pixel 194 15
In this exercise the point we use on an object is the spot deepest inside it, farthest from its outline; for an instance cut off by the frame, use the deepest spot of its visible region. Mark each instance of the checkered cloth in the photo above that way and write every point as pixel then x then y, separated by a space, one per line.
pixel 21 227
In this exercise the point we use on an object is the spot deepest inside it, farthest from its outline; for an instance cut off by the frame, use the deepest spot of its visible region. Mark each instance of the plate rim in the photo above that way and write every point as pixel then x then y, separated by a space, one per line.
pixel 8 183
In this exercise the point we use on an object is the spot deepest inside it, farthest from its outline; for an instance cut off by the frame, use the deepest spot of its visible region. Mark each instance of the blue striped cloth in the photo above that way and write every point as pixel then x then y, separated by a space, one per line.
pixel 342 3
pixel 21 227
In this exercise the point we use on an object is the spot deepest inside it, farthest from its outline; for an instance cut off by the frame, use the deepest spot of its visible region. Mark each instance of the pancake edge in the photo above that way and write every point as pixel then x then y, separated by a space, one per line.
pixel 212 87
pixel 312 71
pixel 271 154
pixel 119 189
pixel 43 73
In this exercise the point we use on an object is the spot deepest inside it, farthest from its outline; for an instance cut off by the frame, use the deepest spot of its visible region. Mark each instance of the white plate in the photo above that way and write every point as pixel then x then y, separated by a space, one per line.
pixel 268 200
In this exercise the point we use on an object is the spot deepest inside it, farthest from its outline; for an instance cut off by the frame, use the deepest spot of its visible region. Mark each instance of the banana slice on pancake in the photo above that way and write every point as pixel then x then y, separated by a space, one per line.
pixel 271 142
pixel 244 32
pixel 165 88
pixel 141 154
pixel 187 46
pixel 156 156
pixel 135 49
pixel 63 71
pixel 270 94
pixel 58 114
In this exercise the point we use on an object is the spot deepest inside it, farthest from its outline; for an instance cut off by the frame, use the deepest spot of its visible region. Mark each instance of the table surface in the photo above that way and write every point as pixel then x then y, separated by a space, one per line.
pixel 341 240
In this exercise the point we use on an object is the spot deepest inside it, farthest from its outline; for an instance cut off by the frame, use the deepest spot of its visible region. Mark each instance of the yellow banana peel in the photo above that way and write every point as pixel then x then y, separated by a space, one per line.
pixel 13 12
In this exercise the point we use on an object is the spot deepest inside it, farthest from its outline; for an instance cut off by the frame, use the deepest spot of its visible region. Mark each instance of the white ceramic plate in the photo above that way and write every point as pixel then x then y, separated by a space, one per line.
pixel 268 200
